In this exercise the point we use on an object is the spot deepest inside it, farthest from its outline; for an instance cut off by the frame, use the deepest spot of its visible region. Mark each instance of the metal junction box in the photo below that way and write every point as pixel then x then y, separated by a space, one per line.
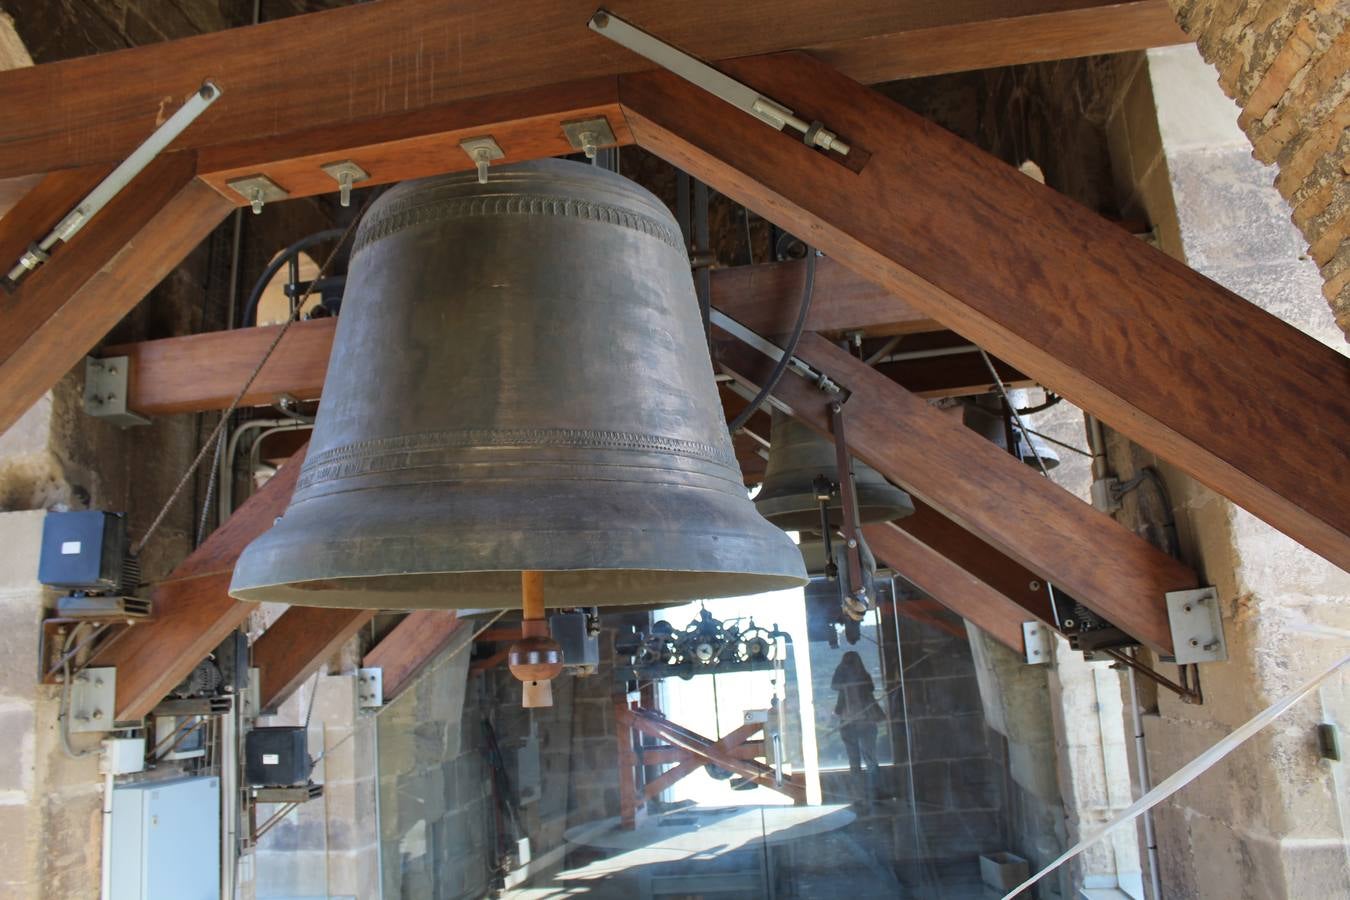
pixel 83 551
pixel 580 648
pixel 276 757
pixel 166 840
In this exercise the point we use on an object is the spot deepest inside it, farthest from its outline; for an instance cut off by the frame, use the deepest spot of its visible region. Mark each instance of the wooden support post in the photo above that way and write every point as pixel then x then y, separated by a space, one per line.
pixel 298 642
pixel 192 610
pixel 61 310
pixel 986 491
pixel 1241 401
pixel 414 642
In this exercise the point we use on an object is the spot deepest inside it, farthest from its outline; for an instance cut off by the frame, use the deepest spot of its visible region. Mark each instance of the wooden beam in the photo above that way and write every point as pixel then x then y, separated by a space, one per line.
pixel 929 528
pixel 61 310
pixel 765 298
pixel 378 66
pixel 204 371
pixel 298 642
pixel 985 490
pixel 1241 401
pixel 193 612
pixel 948 583
pixel 410 645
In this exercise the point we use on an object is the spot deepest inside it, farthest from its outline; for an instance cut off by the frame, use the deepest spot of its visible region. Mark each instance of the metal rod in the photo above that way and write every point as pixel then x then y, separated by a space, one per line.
pixel 704 76
pixel 1145 785
pixel 117 179
pixel 1183 691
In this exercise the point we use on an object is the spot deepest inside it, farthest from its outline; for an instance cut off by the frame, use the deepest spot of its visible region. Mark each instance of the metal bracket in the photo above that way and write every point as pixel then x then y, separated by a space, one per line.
pixel 589 135
pixel 105 391
pixel 93 697
pixel 772 350
pixel 1036 643
pixel 257 190
pixel 346 174
pixel 482 150
pixel 1197 626
pixel 856 599
pixel 370 688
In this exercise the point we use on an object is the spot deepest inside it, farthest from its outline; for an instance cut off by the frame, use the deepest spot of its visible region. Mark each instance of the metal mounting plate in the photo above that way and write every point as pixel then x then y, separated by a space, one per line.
pixel 1036 642
pixel 601 134
pixel 1197 626
pixel 93 697
pixel 370 688
pixel 105 391
pixel 257 188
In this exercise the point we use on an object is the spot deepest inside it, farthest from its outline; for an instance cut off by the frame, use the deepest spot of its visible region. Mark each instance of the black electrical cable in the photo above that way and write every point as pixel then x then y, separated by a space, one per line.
pixel 781 366
pixel 251 308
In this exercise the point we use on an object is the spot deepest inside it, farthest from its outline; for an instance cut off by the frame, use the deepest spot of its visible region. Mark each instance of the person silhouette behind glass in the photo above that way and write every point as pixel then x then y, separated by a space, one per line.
pixel 858 713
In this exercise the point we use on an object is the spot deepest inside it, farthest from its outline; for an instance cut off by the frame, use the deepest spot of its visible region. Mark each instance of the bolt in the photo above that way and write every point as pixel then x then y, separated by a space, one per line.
pixel 256 201
pixel 835 407
pixel 601 20
pixel 1035 653
pixel 589 143
pixel 1034 585
pixel 112 370
pixel 1068 623
pixel 1194 642
pixel 345 189
pixel 852 543
pixel 98 714
pixel 1186 608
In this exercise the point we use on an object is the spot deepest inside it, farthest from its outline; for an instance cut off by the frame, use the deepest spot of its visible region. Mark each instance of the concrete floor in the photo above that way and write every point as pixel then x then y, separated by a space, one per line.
pixel 822 852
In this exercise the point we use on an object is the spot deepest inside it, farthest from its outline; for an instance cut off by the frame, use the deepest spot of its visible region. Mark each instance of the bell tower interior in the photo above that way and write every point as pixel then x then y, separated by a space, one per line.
pixel 674 450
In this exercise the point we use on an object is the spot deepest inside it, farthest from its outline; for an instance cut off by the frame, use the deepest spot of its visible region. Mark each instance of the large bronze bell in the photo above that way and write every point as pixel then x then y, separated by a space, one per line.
pixel 797 456
pixel 519 383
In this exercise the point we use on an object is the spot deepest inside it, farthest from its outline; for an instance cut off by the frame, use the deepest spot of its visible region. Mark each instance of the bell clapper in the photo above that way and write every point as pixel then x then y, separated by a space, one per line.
pixel 535 659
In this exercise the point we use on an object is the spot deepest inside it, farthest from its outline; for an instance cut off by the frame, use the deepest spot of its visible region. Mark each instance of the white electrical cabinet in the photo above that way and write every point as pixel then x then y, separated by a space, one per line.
pixel 166 840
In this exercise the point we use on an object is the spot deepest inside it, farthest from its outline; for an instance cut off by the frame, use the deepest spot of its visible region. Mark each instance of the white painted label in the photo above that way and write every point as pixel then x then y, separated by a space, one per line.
pixel 271 759
pixel 70 548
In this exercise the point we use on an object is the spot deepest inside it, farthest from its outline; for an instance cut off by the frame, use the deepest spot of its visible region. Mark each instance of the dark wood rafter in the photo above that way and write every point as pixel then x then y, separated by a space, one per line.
pixel 414 642
pixel 1154 349
pixel 301 640
pixel 984 490
pixel 948 583
pixel 374 71
pixel 193 611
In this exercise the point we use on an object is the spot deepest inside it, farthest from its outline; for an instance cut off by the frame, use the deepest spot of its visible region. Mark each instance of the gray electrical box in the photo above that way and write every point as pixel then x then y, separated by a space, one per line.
pixel 580 645
pixel 166 840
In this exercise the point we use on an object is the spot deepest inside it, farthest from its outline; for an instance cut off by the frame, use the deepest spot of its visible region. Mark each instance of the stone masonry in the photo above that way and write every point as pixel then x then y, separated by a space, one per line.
pixel 1287 64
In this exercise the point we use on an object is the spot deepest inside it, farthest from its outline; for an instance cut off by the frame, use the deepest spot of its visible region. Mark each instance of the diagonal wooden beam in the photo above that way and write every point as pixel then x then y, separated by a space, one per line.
pixel 61 310
pixel 985 490
pixel 297 643
pixel 410 645
pixel 948 583
pixel 383 64
pixel 1241 401
pixel 192 610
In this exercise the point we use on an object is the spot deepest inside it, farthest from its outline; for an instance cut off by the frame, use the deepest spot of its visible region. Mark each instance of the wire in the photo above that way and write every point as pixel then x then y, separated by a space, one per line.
pixel 214 437
pixel 781 366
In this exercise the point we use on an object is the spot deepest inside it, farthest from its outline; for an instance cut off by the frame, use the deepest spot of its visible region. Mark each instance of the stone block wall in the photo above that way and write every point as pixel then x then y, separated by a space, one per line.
pixel 954 759
pixel 1287 64
pixel 1269 821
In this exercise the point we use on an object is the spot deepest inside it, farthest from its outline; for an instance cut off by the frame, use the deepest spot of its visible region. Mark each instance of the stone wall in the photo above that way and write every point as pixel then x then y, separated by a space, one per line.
pixel 1270 821
pixel 1287 64
pixel 945 748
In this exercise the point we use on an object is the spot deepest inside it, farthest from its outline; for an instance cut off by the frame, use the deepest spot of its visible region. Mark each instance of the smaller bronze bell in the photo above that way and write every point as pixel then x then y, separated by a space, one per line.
pixel 797 456
pixel 985 415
